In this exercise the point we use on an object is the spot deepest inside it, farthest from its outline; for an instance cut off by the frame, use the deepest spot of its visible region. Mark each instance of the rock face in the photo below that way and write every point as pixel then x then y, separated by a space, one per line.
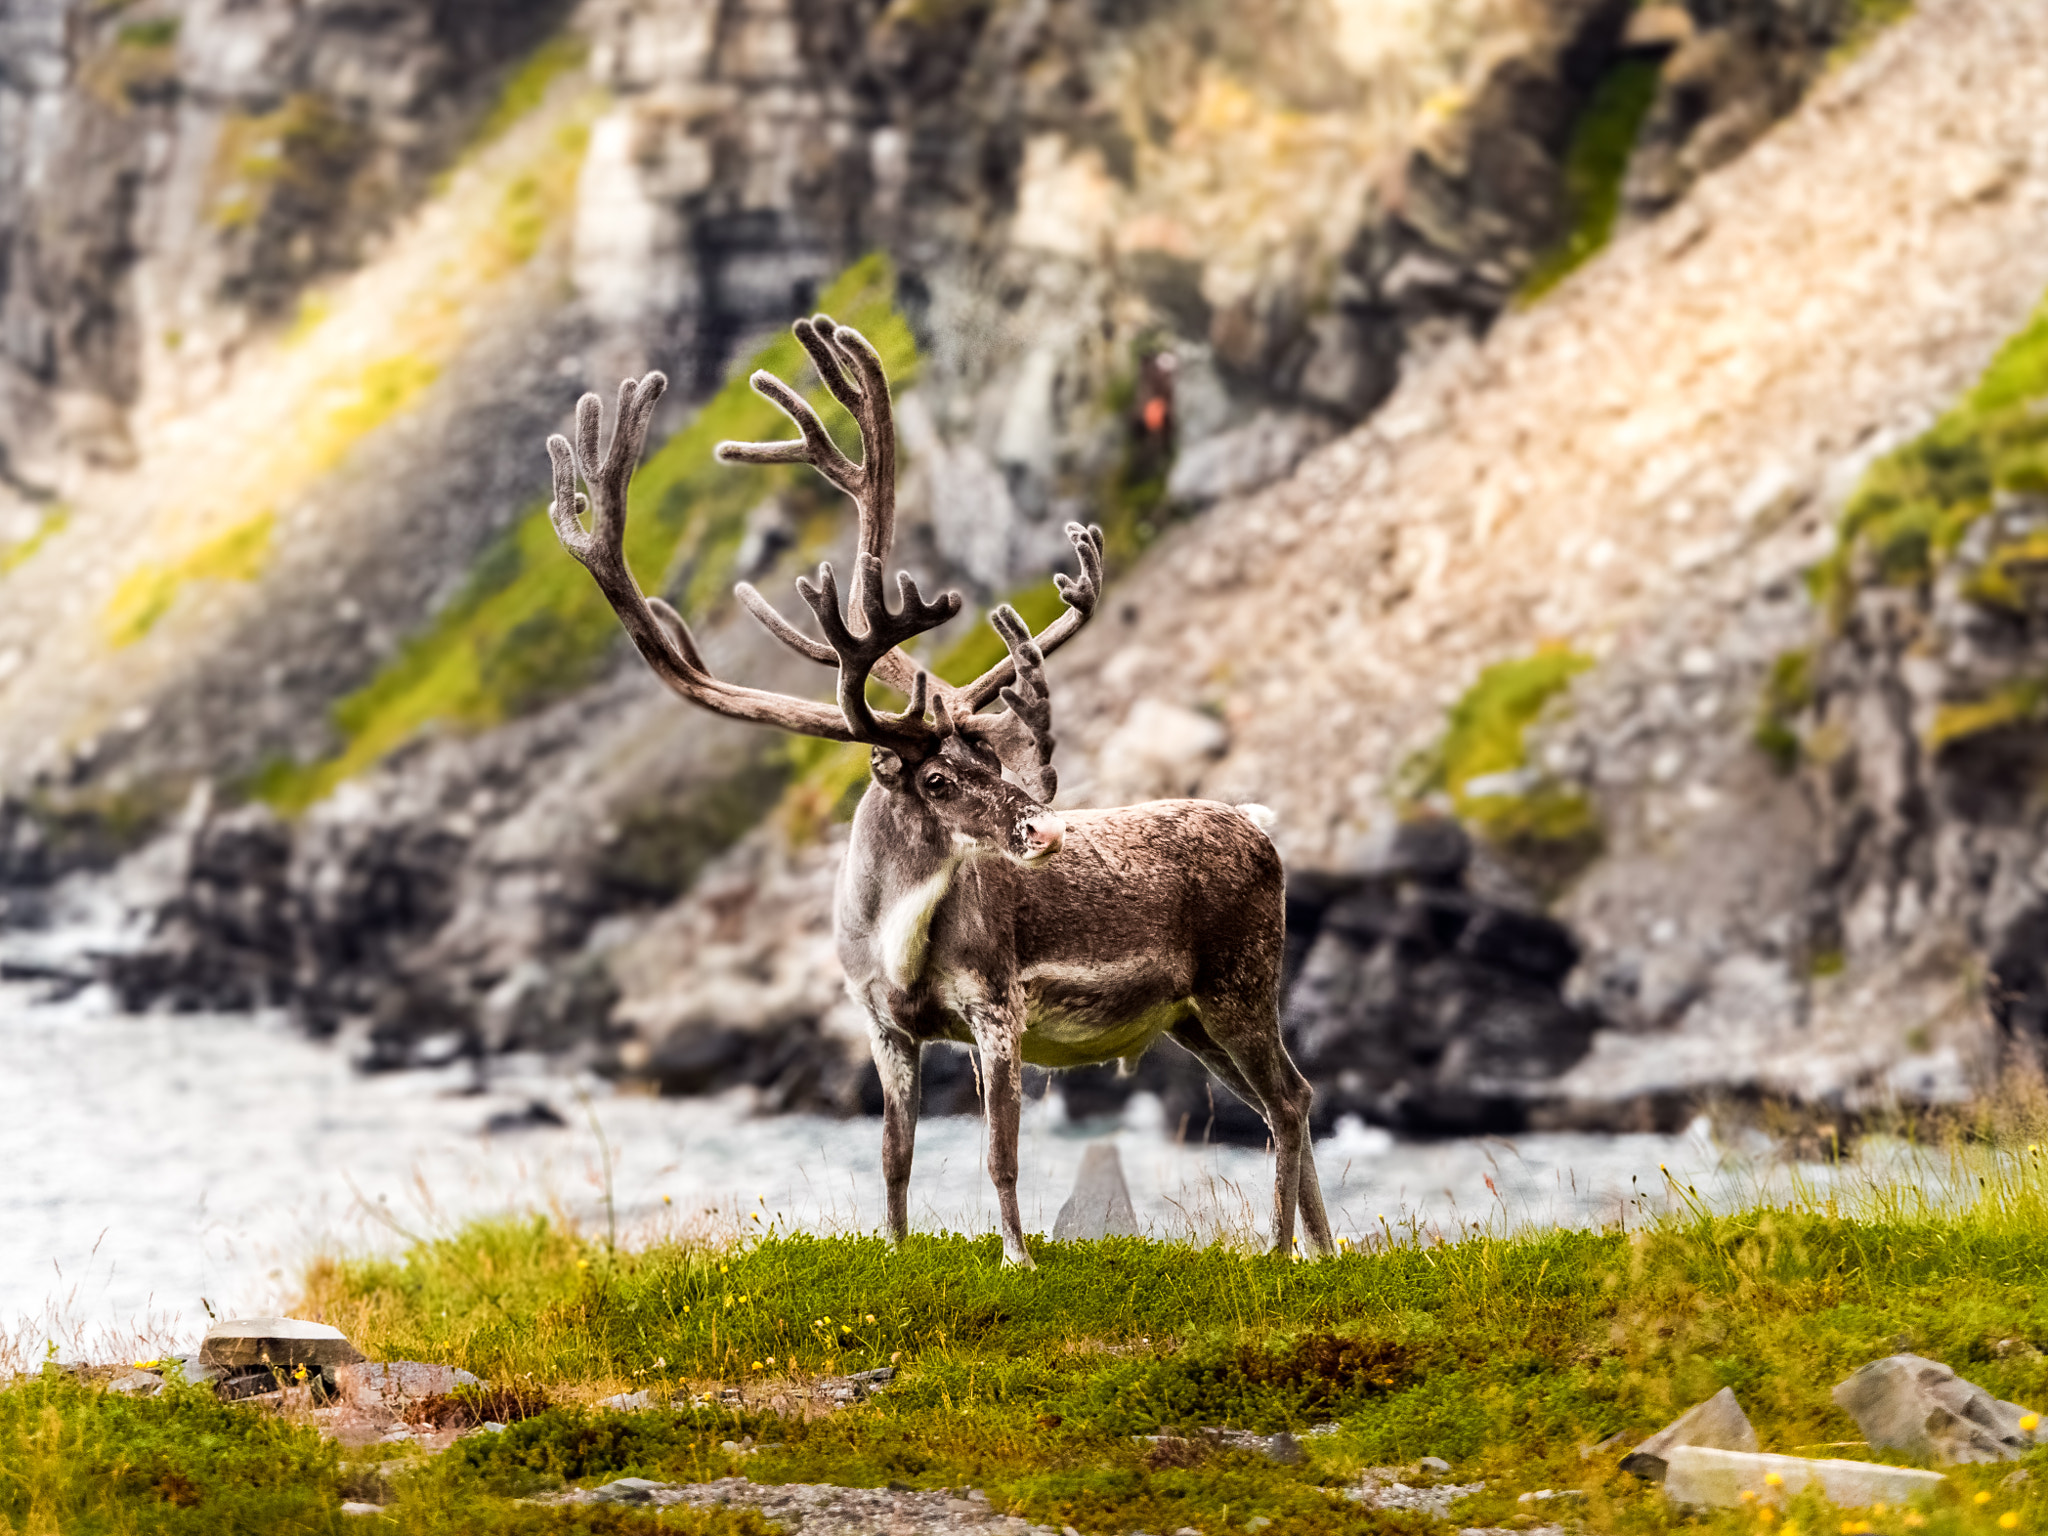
pixel 1421 1005
pixel 167 179
pixel 1719 1424
pixel 1154 258
pixel 1922 1407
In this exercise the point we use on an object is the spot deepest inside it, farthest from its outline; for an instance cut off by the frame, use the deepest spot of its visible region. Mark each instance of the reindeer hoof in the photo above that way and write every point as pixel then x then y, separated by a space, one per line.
pixel 1018 1257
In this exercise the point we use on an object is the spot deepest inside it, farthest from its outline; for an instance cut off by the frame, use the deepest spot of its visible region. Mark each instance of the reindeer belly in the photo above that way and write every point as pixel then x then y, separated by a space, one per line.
pixel 1077 1015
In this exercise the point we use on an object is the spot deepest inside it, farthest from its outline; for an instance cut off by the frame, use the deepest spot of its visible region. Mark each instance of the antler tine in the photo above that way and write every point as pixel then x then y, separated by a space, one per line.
pixel 907 733
pixel 1080 592
pixel 815 447
pixel 895 668
pixel 819 336
pixel 1030 701
pixel 657 630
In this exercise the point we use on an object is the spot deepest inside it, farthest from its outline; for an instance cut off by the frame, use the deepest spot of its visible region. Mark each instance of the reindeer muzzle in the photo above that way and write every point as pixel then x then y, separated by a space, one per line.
pixel 1040 837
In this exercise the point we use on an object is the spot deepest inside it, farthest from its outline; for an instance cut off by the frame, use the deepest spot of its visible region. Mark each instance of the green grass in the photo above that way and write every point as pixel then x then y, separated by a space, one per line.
pixel 1915 504
pixel 78 1461
pixel 531 626
pixel 1505 1352
pixel 1602 141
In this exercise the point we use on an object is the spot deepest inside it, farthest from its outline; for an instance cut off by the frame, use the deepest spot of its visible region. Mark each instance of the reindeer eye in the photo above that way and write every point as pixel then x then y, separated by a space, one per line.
pixel 939 785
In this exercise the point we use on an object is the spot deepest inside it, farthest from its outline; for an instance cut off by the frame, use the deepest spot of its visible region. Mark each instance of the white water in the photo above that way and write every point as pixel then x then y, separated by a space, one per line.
pixel 147 1162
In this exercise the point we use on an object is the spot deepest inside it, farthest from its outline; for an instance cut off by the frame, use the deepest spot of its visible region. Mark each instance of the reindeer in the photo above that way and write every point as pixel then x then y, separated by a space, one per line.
pixel 967 909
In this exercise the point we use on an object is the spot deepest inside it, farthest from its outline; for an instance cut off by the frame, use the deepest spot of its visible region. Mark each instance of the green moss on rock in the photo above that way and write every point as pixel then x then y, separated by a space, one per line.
pixel 1915 504
pixel 1595 164
pixel 2015 705
pixel 1788 691
pixel 1481 765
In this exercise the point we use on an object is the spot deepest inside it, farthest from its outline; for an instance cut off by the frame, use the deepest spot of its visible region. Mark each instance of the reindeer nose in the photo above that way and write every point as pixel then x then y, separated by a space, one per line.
pixel 1043 836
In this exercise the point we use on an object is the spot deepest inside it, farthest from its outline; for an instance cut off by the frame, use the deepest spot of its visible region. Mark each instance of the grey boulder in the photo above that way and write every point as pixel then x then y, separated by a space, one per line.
pixel 1719 1423
pixel 397 1384
pixel 1100 1205
pixel 283 1343
pixel 1919 1406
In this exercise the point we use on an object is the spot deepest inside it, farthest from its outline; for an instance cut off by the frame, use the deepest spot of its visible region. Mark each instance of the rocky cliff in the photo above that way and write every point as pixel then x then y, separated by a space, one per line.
pixel 277 594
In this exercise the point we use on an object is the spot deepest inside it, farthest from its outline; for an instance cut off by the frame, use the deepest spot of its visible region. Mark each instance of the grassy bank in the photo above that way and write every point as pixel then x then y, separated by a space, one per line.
pixel 1508 1355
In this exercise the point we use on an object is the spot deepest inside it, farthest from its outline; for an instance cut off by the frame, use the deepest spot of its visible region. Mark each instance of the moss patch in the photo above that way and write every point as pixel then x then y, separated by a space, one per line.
pixel 53 522
pixel 146 594
pixel 1863 21
pixel 82 1461
pixel 1596 162
pixel 531 626
pixel 1788 691
pixel 1914 505
pixel 534 202
pixel 2015 705
pixel 1551 829
pixel 527 86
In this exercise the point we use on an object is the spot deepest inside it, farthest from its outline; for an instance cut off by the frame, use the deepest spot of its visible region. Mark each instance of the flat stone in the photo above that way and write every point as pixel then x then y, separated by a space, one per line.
pixel 1100 1205
pixel 630 1490
pixel 358 1507
pixel 1719 1422
pixel 1699 1474
pixel 283 1342
pixel 1920 1406
pixel 397 1384
pixel 628 1402
pixel 133 1383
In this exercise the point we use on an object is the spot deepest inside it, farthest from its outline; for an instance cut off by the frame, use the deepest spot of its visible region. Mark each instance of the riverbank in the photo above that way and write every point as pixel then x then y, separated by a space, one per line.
pixel 1525 1361
pixel 156 1160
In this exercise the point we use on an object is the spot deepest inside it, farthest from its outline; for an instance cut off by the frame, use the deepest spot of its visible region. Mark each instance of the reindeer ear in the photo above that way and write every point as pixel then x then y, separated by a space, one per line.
pixel 886 768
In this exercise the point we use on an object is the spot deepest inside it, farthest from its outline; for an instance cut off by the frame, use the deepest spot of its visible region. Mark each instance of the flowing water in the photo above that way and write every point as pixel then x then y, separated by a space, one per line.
pixel 153 1161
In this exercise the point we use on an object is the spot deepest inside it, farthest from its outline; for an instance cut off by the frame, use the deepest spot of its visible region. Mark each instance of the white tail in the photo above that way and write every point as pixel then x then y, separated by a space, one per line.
pixel 1261 816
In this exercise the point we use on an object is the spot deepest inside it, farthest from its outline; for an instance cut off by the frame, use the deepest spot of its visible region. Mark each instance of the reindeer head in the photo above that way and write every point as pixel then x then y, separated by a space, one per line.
pixel 948 768
pixel 960 790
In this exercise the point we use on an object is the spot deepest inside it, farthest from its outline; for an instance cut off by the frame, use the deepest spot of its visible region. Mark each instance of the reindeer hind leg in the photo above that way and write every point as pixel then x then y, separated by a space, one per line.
pixel 1248 1035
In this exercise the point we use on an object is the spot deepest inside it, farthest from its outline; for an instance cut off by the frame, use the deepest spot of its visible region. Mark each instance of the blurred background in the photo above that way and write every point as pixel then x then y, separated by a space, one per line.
pixel 1583 463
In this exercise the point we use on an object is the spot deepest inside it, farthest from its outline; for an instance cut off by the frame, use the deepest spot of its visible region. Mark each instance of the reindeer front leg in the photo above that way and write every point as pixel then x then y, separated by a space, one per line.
pixel 897 1059
pixel 998 1030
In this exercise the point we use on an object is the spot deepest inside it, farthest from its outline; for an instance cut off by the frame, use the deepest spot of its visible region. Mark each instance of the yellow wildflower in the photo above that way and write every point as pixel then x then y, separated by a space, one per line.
pixel 1774 1480
pixel 2030 1422
pixel 757 1365
pixel 1766 1515
pixel 2009 1521
pixel 1983 1498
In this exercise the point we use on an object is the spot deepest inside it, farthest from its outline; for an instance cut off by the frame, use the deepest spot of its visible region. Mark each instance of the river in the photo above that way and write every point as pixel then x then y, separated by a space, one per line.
pixel 152 1161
